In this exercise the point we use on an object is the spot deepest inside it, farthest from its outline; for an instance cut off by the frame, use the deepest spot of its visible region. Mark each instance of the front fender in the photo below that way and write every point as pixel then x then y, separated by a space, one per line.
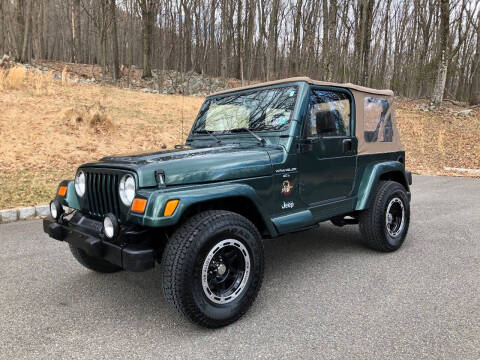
pixel 371 177
pixel 157 199
pixel 70 199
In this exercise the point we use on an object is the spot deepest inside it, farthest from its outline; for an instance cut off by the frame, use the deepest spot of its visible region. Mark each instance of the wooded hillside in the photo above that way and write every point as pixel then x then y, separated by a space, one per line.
pixel 419 48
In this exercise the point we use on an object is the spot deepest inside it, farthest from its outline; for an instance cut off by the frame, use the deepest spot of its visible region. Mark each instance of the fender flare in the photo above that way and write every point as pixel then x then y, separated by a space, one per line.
pixel 189 197
pixel 371 177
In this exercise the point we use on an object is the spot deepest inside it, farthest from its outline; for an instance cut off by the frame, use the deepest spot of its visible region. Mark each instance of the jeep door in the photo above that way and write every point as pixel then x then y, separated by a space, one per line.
pixel 327 152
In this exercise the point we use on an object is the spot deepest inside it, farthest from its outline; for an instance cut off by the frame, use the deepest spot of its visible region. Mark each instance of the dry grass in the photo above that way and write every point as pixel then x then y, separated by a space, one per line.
pixel 440 138
pixel 33 81
pixel 48 130
pixel 12 79
pixel 40 83
pixel 92 118
pixel 65 79
pixel 45 138
pixel 3 79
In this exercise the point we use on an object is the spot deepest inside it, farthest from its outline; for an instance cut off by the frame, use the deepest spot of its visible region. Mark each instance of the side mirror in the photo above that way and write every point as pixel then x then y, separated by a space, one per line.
pixel 306 145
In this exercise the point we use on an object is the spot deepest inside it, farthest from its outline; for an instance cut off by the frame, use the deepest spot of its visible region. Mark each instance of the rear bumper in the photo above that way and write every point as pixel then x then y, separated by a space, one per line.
pixel 85 234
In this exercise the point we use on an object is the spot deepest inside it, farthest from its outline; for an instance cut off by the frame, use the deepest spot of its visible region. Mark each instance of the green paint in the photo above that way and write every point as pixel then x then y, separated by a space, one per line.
pixel 292 182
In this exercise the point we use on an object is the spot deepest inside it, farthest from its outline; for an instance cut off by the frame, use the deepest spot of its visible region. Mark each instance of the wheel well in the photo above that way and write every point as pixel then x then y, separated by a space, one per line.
pixel 396 176
pixel 237 204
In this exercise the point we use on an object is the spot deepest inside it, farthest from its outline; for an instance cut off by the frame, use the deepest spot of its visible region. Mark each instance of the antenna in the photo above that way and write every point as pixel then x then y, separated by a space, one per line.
pixel 183 105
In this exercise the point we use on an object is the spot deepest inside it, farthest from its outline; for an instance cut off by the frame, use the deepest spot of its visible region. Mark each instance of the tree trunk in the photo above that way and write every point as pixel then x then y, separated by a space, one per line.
pixel 474 98
pixel 239 41
pixel 2 29
pixel 223 65
pixel 26 34
pixel 147 70
pixel 439 88
pixel 367 39
pixel 149 12
pixel 76 32
pixel 103 41
pixel 20 34
pixel 116 65
pixel 294 52
pixel 272 39
pixel 383 71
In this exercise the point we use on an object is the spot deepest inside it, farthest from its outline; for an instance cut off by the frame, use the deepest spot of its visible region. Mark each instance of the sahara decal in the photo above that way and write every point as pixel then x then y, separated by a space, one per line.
pixel 281 171
pixel 286 187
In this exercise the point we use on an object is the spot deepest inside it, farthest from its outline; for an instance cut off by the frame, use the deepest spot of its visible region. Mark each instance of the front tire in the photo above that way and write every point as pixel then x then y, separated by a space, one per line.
pixel 93 263
pixel 212 268
pixel 384 225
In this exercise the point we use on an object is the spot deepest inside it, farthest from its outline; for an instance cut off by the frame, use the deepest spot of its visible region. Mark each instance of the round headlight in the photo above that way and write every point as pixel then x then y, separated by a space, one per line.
pixel 80 183
pixel 127 189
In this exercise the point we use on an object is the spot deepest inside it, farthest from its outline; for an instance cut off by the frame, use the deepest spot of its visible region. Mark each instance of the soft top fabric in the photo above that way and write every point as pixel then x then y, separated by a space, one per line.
pixel 360 94
pixel 310 81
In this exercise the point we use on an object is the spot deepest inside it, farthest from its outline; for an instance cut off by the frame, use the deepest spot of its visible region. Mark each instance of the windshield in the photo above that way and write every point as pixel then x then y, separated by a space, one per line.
pixel 258 110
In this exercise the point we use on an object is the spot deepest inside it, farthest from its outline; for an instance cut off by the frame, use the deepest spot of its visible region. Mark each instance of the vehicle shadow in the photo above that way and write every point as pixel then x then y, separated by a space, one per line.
pixel 140 295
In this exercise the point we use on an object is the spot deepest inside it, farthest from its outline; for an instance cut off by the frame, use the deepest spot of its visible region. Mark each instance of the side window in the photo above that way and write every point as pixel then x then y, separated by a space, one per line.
pixel 377 124
pixel 329 114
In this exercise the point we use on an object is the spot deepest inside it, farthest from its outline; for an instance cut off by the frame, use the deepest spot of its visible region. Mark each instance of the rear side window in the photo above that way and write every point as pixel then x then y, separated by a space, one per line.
pixel 329 114
pixel 377 120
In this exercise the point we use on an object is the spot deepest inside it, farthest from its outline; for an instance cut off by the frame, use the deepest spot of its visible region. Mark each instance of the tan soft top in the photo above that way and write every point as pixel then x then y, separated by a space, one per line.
pixel 374 134
pixel 313 82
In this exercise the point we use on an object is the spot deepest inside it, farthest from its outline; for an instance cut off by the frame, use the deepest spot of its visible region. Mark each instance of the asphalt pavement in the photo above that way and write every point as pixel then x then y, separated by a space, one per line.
pixel 324 295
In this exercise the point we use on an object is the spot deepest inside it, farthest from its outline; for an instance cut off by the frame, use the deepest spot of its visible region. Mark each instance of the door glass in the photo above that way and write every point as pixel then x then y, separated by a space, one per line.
pixel 329 114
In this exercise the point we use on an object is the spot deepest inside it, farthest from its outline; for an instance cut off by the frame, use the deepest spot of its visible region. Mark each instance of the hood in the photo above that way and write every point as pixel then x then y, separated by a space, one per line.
pixel 189 165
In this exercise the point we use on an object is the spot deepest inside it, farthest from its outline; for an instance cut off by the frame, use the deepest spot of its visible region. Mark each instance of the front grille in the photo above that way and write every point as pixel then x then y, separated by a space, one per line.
pixel 102 193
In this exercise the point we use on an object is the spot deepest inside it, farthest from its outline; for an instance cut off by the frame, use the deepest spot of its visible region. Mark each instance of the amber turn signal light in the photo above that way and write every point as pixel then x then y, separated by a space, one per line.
pixel 139 205
pixel 170 207
pixel 62 190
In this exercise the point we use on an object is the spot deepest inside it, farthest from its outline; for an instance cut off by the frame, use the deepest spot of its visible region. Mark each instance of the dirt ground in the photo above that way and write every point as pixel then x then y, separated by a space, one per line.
pixel 49 128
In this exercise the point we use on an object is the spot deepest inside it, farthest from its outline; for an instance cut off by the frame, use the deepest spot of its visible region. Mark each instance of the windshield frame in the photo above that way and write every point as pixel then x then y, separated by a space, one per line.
pixel 265 133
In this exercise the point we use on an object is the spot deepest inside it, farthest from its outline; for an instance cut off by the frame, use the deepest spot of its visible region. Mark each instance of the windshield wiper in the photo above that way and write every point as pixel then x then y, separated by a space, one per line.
pixel 261 140
pixel 209 133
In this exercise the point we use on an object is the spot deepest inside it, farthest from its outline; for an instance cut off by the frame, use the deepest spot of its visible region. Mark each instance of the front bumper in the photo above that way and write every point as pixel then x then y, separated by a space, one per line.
pixel 85 233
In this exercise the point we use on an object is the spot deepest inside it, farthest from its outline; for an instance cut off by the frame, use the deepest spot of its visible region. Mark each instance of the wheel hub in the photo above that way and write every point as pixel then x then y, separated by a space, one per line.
pixel 225 271
pixel 395 217
pixel 221 268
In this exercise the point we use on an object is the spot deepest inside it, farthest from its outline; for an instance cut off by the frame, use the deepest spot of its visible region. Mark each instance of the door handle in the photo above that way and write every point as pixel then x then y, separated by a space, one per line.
pixel 347 145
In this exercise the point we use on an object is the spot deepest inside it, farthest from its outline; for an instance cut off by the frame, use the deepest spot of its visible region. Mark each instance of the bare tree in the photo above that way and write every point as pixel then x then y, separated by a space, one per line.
pixel 101 19
pixel 116 63
pixel 77 31
pixel 474 98
pixel 439 88
pixel 411 46
pixel 148 10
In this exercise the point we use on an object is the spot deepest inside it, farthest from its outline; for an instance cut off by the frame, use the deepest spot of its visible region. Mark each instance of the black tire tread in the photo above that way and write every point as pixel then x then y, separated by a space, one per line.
pixel 175 257
pixel 371 227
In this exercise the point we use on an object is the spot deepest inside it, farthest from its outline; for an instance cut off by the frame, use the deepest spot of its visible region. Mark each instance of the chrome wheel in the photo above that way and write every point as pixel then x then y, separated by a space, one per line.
pixel 395 217
pixel 225 271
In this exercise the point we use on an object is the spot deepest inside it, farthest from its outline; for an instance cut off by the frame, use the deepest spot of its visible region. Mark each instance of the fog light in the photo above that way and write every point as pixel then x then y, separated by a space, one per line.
pixel 56 210
pixel 110 226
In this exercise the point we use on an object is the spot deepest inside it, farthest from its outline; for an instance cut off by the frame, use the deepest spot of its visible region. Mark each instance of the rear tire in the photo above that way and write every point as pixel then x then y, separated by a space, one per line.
pixel 384 225
pixel 93 263
pixel 212 268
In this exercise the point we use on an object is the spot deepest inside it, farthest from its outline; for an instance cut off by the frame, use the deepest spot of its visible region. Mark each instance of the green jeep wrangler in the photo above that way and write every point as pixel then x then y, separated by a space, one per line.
pixel 260 162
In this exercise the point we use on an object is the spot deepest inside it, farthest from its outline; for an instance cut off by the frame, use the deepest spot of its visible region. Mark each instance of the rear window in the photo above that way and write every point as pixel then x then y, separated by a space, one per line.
pixel 377 120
